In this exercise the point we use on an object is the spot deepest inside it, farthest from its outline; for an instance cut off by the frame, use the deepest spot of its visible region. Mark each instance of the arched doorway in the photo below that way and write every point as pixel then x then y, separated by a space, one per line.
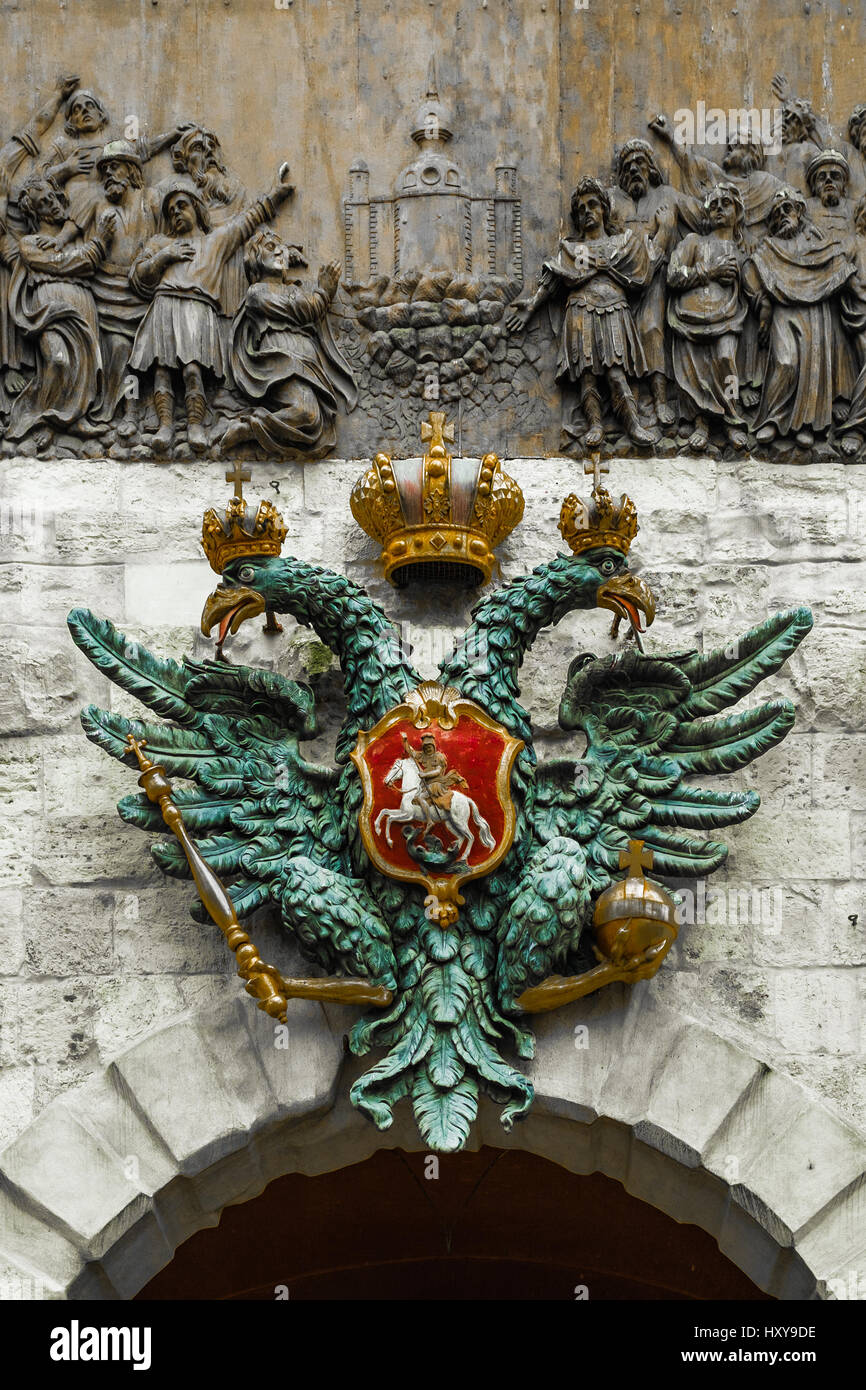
pixel 494 1224
pixel 204 1112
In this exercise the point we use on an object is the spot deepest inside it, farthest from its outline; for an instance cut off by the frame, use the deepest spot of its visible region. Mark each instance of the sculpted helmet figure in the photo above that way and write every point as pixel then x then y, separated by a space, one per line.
pixel 828 178
pixel 71 158
pixel 805 132
pixel 643 200
pixel 598 340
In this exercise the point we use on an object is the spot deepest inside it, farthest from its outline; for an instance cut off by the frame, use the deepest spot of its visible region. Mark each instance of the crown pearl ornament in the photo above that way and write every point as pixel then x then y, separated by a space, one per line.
pixel 437 518
pixel 239 531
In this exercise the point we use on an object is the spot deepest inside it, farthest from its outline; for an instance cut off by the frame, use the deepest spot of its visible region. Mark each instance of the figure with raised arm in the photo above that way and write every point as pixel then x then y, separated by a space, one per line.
pixel 181 270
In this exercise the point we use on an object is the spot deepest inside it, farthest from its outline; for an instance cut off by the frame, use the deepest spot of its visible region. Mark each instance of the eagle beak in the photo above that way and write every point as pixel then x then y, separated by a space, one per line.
pixel 628 597
pixel 229 608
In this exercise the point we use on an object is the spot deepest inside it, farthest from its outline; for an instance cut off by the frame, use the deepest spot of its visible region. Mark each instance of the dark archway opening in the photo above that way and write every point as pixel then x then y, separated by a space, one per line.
pixel 497 1224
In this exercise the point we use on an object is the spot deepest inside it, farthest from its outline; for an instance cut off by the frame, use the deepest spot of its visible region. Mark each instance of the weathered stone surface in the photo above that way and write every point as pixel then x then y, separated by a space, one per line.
pixel 846 915
pixel 44 1020
pixel 834 679
pixel 835 596
pixel 791 1156
pixel 817 1011
pixel 46 592
pixel 78 779
pixel 127 1006
pixel 16 1101
pixel 693 1114
pixel 34 1247
pixel 45 684
pixel 837 1081
pixel 801 933
pixel 20 780
pixel 195 1136
pixel 11 931
pixel 59 1165
pixel 68 932
pixel 835 1245
pixel 167 591
pixel 152 939
pixel 90 849
pixel 810 847
pixel 839 773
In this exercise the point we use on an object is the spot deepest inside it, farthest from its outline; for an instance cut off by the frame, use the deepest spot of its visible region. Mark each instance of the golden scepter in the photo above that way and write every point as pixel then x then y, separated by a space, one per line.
pixel 271 989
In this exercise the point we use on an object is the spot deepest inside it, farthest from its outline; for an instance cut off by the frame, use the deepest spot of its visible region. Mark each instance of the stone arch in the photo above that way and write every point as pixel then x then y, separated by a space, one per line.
pixel 203 1111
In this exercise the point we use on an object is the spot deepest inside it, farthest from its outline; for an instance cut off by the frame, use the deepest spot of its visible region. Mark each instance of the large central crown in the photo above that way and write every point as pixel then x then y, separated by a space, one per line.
pixel 438 518
pixel 240 531
pixel 599 522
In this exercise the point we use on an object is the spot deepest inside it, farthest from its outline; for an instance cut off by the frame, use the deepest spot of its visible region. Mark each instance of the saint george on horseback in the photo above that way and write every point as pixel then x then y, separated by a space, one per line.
pixel 430 793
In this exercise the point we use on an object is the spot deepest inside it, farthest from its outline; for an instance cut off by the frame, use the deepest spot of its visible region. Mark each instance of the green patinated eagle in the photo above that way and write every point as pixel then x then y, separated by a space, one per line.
pixel 283 831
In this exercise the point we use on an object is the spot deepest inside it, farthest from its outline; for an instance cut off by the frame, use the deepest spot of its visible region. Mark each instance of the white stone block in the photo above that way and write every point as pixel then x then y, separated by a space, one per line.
pixel 792 1155
pixel 704 1078
pixel 59 1166
pixel 198 1117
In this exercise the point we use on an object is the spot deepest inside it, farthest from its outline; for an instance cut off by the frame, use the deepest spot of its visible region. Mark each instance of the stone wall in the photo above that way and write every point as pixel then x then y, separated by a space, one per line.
pixel 97 947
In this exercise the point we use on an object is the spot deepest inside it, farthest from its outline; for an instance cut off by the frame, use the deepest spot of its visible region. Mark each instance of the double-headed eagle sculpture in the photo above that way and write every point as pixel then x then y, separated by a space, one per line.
pixel 451 946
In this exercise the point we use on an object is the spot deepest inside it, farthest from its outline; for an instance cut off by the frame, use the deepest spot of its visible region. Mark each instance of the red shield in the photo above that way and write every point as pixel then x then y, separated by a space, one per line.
pixel 437 810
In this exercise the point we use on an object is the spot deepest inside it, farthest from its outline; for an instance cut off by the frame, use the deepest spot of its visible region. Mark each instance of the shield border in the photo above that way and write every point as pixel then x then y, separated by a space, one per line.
pixel 427 702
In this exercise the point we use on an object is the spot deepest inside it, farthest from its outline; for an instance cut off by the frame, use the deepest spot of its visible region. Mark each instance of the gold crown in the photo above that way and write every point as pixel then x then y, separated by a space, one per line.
pixel 601 521
pixel 437 517
pixel 240 531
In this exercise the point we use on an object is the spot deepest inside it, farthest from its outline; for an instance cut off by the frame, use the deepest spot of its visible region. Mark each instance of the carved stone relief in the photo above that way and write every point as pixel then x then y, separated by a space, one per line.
pixel 431 269
pixel 149 308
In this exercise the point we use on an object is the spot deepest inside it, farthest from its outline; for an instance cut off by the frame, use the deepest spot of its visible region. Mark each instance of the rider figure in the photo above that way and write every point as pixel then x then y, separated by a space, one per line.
pixel 437 781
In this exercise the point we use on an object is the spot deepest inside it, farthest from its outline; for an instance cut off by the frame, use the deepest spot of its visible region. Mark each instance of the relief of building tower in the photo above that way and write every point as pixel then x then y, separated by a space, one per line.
pixel 431 267
pixel 432 220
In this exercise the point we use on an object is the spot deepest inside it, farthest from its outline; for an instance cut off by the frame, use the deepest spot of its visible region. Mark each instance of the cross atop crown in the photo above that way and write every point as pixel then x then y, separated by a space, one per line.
pixel 437 432
pixel 238 474
pixel 595 466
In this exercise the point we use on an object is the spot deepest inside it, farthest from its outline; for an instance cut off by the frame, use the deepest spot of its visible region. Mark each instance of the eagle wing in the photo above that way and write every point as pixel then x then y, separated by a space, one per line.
pixel 265 819
pixel 652 723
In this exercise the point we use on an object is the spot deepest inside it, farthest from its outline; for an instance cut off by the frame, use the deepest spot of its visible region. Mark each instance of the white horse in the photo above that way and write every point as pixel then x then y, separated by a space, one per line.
pixel 456 819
